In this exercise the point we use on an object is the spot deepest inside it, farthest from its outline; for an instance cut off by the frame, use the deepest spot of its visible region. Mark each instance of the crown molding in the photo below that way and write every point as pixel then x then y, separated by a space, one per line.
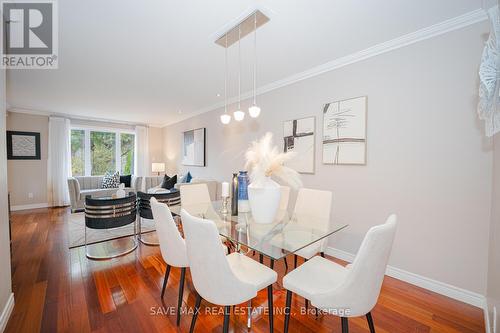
pixel 432 31
pixel 76 117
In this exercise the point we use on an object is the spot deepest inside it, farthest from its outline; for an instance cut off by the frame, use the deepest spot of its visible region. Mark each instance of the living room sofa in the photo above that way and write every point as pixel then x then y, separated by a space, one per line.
pixel 80 187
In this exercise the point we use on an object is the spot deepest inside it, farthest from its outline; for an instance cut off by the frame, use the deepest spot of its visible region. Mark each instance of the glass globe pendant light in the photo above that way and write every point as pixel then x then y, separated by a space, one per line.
pixel 225 118
pixel 238 114
pixel 254 110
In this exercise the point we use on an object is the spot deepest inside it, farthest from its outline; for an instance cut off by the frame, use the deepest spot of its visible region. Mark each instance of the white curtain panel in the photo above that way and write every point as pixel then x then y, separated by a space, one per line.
pixel 142 165
pixel 59 161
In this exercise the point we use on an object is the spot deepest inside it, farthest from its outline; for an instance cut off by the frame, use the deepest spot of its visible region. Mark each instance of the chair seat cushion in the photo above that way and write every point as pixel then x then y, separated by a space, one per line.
pixel 318 275
pixel 250 271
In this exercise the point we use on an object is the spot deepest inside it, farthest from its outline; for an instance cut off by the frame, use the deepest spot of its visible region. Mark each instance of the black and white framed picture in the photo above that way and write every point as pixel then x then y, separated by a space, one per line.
pixel 299 137
pixel 344 131
pixel 23 145
pixel 193 147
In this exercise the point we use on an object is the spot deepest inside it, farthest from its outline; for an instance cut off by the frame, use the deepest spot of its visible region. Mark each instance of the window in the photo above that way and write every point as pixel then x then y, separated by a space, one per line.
pixel 127 154
pixel 102 152
pixel 78 152
pixel 94 152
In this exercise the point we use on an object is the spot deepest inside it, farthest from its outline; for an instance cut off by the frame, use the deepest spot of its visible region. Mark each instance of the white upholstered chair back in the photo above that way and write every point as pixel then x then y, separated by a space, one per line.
pixel 313 207
pixel 360 290
pixel 212 276
pixel 172 245
pixel 195 194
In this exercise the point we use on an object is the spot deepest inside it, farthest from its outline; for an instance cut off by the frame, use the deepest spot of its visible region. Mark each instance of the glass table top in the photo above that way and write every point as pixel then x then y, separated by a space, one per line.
pixel 288 234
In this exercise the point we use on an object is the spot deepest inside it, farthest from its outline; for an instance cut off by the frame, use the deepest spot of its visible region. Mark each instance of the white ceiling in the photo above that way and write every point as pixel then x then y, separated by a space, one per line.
pixel 143 61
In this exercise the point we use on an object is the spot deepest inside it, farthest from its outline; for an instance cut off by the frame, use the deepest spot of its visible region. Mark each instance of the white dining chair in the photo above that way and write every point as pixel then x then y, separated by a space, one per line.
pixel 350 291
pixel 195 194
pixel 195 199
pixel 220 279
pixel 172 246
pixel 313 209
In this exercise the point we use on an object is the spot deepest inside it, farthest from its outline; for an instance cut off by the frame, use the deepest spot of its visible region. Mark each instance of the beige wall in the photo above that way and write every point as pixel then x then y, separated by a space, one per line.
pixel 493 294
pixel 28 176
pixel 428 160
pixel 155 144
pixel 5 282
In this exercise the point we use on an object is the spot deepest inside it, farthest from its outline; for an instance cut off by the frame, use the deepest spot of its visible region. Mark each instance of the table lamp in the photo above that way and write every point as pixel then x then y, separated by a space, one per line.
pixel 158 168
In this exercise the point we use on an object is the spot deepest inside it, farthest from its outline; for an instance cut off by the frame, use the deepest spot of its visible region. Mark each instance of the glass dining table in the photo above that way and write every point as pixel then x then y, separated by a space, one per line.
pixel 288 234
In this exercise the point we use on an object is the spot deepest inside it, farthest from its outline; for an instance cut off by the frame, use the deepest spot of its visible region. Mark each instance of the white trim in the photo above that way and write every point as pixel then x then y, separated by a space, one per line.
pixel 437 29
pixel 26 110
pixel 439 287
pixel 486 312
pixel 7 311
pixel 29 206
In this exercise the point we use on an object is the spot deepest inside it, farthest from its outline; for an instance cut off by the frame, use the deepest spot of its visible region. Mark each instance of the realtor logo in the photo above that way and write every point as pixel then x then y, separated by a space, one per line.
pixel 30 34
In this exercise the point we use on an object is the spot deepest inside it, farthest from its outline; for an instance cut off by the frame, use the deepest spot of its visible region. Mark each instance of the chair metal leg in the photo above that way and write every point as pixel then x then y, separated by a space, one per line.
pixel 165 279
pixel 181 292
pixel 369 319
pixel 272 263
pixel 270 306
pixel 307 304
pixel 249 314
pixel 345 325
pixel 287 310
pixel 286 264
pixel 227 310
pixel 261 258
pixel 322 254
pixel 195 315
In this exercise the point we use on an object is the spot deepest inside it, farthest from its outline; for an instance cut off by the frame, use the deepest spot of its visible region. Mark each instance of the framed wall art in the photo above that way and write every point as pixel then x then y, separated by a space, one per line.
pixel 23 145
pixel 299 137
pixel 193 147
pixel 344 131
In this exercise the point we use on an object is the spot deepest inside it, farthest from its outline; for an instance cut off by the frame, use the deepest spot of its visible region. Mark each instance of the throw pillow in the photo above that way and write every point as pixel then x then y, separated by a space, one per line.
pixel 111 180
pixel 169 183
pixel 164 181
pixel 127 180
pixel 186 178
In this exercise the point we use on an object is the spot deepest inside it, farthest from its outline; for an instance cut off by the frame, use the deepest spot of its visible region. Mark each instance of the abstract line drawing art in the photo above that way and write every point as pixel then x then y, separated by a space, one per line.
pixel 344 131
pixel 299 137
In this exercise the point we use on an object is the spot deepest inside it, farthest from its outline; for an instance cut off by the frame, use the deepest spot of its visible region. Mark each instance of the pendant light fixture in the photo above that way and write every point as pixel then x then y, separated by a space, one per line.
pixel 225 118
pixel 239 115
pixel 254 110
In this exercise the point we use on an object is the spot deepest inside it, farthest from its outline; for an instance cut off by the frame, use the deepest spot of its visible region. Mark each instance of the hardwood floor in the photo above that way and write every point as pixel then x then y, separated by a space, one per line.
pixel 60 290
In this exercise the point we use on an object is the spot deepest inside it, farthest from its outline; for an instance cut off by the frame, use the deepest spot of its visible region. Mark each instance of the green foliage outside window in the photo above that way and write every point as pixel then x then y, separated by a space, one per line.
pixel 102 152
pixel 78 152
pixel 127 153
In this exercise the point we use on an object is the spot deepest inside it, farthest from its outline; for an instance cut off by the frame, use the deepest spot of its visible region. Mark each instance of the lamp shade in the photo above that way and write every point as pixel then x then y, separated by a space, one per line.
pixel 158 167
pixel 238 115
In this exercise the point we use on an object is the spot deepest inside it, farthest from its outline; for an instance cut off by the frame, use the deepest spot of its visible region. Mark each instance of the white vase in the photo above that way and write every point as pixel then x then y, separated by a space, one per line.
pixel 121 191
pixel 264 197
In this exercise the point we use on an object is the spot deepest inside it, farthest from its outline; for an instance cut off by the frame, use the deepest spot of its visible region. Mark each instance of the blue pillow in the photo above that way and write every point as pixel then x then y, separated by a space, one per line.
pixel 187 178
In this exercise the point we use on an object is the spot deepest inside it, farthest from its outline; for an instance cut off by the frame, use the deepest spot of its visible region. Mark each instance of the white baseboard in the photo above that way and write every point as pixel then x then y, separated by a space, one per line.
pixel 6 312
pixel 439 287
pixel 30 206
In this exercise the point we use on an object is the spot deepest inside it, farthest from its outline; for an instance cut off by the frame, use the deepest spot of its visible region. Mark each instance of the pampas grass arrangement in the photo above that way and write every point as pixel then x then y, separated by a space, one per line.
pixel 265 160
